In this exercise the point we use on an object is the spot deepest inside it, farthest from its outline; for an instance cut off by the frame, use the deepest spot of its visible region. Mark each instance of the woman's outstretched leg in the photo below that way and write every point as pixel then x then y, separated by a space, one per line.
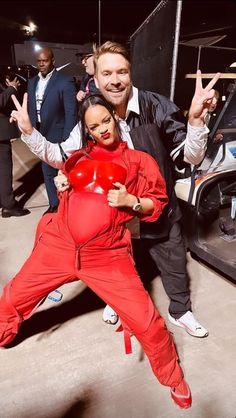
pixel 48 267
pixel 117 283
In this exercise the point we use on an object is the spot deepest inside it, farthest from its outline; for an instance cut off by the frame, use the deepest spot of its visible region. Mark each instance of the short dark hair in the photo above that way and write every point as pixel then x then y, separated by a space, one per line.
pixel 47 51
pixel 90 101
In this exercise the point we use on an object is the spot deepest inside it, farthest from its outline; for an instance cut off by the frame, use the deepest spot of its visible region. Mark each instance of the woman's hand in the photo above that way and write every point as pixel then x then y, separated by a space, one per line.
pixel 120 197
pixel 61 182
pixel 21 115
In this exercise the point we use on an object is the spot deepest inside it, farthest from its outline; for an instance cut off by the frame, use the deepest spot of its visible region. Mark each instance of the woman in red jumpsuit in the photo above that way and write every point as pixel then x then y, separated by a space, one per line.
pixel 88 240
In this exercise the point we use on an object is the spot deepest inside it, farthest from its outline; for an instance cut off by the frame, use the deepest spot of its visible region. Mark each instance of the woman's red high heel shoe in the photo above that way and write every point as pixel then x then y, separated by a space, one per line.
pixel 181 395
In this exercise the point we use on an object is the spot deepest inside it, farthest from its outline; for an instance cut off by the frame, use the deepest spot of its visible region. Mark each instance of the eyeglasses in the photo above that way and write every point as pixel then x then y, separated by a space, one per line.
pixel 85 57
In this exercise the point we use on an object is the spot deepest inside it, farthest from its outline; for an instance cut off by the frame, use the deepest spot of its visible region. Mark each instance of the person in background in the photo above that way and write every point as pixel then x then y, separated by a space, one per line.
pixel 115 183
pixel 8 131
pixel 87 85
pixel 52 109
pixel 212 115
pixel 151 123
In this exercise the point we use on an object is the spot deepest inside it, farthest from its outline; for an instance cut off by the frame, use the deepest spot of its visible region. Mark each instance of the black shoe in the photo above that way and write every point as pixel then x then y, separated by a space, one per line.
pixel 51 209
pixel 7 213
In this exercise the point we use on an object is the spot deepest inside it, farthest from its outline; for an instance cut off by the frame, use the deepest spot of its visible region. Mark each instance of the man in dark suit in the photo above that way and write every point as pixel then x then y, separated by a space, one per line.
pixel 53 111
pixel 8 131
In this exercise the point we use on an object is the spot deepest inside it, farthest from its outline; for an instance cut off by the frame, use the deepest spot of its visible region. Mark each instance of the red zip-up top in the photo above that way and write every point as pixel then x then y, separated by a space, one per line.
pixel 92 172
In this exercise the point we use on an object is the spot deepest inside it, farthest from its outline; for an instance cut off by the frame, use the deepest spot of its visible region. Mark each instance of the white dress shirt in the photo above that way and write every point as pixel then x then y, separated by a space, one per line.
pixel 40 90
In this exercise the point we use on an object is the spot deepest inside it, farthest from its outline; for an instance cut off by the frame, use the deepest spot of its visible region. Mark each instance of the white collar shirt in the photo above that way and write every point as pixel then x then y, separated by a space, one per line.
pixel 40 90
pixel 133 106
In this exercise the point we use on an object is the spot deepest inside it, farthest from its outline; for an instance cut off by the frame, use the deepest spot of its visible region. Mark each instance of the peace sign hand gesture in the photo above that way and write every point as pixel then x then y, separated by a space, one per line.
pixel 21 115
pixel 201 100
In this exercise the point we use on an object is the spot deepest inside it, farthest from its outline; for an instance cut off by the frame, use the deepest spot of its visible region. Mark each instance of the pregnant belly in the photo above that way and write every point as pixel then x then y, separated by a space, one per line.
pixel 88 216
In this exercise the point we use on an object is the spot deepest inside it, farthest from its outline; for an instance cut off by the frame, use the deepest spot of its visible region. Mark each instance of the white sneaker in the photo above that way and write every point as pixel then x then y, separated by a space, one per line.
pixel 110 316
pixel 190 324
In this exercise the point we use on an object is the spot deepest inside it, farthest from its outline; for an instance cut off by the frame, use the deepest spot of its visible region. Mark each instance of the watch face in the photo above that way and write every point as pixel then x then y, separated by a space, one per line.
pixel 137 207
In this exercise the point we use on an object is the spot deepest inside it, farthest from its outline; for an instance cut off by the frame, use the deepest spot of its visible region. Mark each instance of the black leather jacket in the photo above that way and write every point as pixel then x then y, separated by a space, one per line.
pixel 158 130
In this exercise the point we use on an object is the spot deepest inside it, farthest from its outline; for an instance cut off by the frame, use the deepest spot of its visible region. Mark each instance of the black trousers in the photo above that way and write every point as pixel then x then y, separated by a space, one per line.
pixel 48 174
pixel 169 259
pixel 7 199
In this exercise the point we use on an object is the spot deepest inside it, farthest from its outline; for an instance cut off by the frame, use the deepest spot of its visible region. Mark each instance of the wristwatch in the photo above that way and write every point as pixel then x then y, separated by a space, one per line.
pixel 137 206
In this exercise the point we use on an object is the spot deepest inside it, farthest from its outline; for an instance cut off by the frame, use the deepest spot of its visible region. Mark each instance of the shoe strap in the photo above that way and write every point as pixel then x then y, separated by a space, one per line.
pixel 127 339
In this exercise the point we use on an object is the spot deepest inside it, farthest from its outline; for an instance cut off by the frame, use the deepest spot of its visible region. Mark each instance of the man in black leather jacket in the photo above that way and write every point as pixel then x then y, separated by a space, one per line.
pixel 155 125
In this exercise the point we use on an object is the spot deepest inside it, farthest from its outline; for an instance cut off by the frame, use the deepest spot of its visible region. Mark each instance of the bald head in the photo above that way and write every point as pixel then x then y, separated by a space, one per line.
pixel 45 61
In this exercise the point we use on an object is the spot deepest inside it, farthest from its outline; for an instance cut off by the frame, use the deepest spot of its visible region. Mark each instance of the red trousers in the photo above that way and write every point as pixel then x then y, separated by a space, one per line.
pixel 111 274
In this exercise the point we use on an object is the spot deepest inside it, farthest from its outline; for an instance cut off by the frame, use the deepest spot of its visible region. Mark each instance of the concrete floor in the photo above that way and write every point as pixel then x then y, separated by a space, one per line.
pixel 67 363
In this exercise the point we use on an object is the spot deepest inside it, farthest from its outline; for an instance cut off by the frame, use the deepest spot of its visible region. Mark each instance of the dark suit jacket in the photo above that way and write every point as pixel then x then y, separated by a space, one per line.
pixel 7 130
pixel 59 107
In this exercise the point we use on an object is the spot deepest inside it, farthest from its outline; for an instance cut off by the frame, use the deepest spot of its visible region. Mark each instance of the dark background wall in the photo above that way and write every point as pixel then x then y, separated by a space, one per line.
pixel 212 60
pixel 152 49
pixel 201 21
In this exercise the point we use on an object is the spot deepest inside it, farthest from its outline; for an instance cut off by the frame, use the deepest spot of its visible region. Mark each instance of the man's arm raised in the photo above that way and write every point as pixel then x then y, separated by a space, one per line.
pixel 202 99
pixel 21 116
pixel 197 132
pixel 37 143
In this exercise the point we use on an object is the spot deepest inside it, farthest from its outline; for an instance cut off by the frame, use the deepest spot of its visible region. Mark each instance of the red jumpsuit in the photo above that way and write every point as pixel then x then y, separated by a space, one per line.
pixel 88 240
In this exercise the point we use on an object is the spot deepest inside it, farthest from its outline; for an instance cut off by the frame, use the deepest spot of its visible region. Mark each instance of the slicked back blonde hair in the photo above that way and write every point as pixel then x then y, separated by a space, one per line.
pixel 110 47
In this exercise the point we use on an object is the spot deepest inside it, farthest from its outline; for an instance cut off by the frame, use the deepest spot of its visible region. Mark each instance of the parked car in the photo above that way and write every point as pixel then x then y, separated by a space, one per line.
pixel 208 197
